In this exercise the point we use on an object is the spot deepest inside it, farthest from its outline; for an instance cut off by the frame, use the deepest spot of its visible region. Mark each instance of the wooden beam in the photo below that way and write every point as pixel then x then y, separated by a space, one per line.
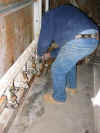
pixel 17 67
pixel 6 10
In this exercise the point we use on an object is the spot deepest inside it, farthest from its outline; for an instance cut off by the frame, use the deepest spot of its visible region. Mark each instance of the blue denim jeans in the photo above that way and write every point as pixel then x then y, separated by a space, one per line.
pixel 64 68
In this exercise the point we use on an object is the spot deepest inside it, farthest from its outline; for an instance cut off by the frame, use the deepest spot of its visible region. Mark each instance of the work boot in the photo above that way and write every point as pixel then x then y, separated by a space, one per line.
pixel 71 90
pixel 48 98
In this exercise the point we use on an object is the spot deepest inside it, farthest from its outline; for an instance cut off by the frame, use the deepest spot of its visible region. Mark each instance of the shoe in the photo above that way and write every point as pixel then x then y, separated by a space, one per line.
pixel 71 90
pixel 48 98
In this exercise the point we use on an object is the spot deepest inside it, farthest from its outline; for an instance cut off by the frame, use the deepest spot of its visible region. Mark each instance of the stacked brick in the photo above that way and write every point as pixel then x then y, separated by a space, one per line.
pixel 15 36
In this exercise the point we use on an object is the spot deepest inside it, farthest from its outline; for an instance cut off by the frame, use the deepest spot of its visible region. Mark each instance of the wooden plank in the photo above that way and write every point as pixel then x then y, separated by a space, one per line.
pixel 14 7
pixel 7 79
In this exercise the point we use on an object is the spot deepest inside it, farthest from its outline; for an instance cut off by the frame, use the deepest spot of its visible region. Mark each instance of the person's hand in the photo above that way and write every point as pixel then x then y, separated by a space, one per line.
pixel 46 56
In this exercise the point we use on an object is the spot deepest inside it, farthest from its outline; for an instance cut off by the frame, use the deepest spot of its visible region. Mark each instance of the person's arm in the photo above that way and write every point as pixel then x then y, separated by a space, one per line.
pixel 45 37
pixel 51 54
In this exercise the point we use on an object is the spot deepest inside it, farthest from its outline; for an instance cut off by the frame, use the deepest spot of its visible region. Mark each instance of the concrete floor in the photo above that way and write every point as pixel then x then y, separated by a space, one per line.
pixel 75 116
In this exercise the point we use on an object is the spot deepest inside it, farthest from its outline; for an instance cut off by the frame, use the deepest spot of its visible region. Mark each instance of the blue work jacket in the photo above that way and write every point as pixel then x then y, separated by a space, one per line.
pixel 62 24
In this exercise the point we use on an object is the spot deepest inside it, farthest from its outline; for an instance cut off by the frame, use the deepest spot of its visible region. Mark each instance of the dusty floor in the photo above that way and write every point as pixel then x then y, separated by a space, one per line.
pixel 75 116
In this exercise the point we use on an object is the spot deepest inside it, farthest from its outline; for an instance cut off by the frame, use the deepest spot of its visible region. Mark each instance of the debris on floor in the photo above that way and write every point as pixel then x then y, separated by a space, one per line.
pixel 37 116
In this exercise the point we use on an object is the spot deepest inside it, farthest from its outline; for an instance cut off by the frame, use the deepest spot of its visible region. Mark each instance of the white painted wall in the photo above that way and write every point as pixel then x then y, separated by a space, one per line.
pixel 46 5
pixel 37 15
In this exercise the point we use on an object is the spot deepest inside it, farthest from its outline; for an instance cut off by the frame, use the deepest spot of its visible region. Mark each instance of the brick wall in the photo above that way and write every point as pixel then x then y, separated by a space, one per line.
pixel 15 36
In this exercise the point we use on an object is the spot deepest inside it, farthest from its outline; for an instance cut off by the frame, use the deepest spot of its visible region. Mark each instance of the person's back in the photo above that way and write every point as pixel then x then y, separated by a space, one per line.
pixel 68 21
pixel 62 24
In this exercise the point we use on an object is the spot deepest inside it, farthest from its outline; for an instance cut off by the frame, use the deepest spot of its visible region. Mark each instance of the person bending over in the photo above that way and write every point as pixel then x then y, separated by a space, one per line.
pixel 76 36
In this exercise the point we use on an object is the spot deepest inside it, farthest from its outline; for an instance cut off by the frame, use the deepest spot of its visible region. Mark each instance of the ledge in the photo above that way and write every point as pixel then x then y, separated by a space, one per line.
pixel 8 9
